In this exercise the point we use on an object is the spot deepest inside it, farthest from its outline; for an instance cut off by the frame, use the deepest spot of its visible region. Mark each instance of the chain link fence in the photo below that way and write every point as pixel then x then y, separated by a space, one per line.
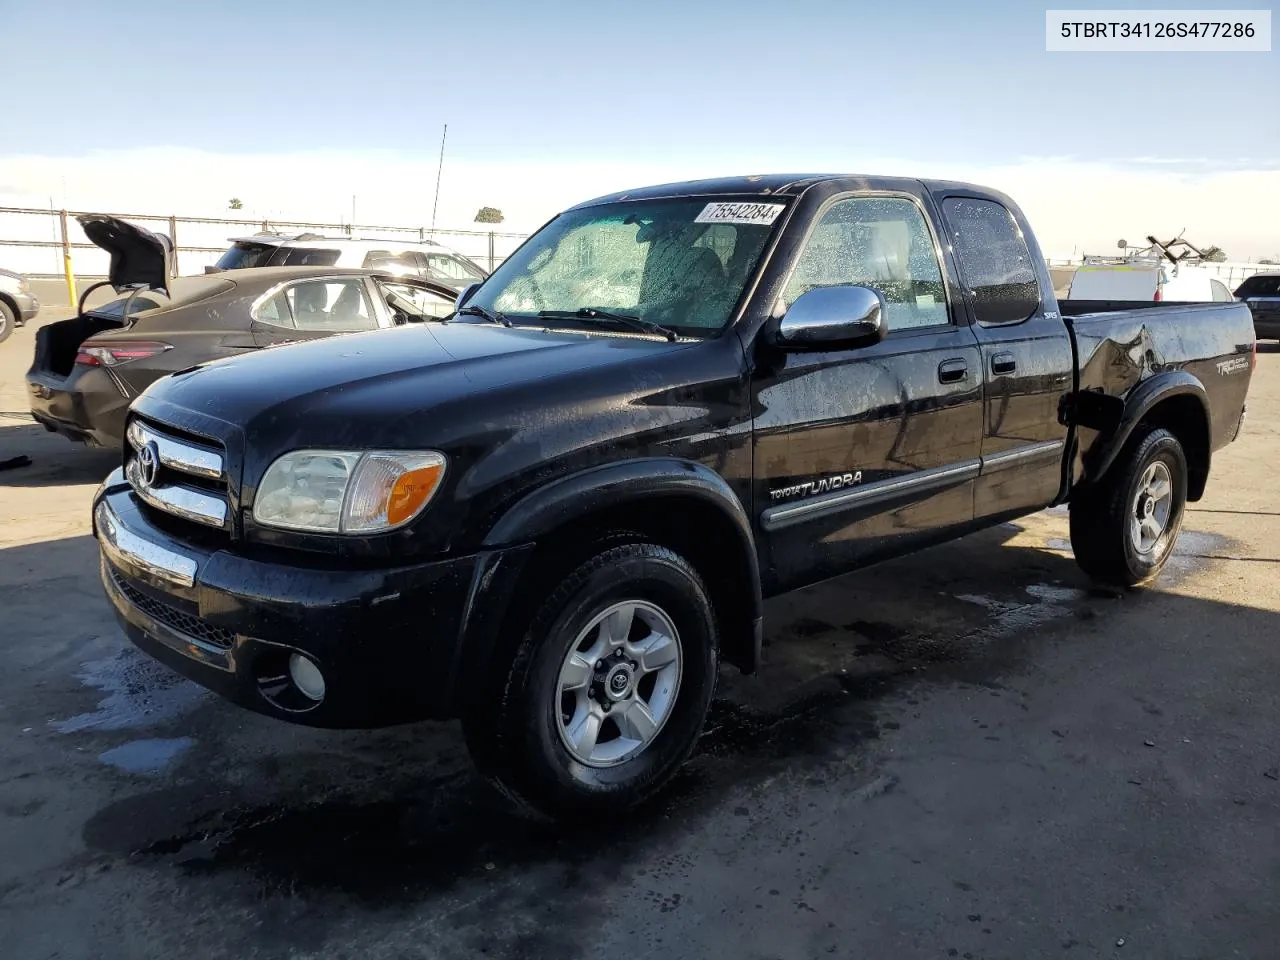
pixel 40 242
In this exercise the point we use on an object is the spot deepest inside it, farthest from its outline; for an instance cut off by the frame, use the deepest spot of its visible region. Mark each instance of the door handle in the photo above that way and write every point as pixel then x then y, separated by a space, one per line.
pixel 1002 363
pixel 953 371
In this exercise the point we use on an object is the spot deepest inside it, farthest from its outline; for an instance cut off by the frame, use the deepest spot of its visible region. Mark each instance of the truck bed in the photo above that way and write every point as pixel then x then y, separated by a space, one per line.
pixel 1118 349
pixel 1077 308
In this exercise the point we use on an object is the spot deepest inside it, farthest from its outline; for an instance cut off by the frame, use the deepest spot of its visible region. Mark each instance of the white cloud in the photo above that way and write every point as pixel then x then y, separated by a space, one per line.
pixel 1072 204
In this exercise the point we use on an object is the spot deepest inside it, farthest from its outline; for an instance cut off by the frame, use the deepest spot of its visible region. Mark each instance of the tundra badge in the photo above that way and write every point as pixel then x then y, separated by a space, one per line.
pixel 836 481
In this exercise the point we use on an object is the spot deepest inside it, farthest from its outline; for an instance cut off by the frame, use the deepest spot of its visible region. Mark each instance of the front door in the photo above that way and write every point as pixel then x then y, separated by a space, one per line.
pixel 868 452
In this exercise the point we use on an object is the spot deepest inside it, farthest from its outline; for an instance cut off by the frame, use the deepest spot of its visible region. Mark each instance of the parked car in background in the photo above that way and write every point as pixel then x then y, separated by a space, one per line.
pixel 87 370
pixel 17 303
pixel 1262 293
pixel 426 260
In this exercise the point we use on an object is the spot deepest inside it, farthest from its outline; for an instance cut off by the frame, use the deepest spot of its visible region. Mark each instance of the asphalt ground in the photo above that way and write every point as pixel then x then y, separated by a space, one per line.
pixel 969 753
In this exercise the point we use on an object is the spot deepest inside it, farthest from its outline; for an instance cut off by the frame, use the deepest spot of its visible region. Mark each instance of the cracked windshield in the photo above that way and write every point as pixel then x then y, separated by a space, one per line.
pixel 680 263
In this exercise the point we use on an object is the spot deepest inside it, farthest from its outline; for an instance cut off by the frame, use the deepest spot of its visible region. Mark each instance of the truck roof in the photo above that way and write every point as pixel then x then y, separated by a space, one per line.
pixel 779 185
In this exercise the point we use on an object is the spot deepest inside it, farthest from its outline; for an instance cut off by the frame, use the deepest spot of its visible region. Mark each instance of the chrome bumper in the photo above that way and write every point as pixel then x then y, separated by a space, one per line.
pixel 121 545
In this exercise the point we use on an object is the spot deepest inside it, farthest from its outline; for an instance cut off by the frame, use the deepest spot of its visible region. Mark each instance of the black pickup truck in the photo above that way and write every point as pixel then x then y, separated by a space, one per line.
pixel 554 514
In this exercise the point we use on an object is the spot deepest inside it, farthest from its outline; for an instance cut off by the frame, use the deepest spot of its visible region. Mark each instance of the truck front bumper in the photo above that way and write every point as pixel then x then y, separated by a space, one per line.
pixel 387 643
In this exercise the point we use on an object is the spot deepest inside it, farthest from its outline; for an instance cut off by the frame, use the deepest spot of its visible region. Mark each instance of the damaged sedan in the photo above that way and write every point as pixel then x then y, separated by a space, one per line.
pixel 87 370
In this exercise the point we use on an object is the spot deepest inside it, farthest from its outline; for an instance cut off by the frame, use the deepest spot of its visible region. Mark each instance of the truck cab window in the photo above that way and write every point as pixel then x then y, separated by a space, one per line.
pixel 994 260
pixel 877 242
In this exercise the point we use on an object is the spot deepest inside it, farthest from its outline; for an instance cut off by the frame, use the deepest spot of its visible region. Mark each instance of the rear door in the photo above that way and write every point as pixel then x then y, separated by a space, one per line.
pixel 1027 363
pixel 314 308
pixel 863 453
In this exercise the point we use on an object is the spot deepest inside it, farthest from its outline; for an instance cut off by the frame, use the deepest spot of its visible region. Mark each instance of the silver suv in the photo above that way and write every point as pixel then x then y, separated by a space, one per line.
pixel 426 260
pixel 17 303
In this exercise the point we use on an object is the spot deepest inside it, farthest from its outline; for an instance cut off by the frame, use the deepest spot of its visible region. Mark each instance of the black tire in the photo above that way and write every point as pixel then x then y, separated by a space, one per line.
pixel 1101 517
pixel 512 725
pixel 8 320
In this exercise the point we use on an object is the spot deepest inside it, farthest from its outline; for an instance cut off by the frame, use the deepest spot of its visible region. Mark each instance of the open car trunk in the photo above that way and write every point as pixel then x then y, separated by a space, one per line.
pixel 141 261
pixel 58 343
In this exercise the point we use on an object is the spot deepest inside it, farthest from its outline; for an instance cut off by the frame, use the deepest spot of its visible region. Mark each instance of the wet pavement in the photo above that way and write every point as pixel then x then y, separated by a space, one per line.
pixel 968 753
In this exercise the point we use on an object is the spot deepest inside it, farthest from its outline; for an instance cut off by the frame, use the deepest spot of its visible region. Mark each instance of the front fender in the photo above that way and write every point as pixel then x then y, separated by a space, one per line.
pixel 735 577
pixel 1141 400
pixel 581 493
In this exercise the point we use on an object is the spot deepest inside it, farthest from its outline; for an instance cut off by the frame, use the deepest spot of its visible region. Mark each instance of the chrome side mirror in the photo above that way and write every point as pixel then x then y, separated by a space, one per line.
pixel 832 318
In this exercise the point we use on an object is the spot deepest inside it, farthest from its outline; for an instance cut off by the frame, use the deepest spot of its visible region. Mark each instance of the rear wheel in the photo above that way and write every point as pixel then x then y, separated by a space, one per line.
pixel 8 320
pixel 1123 531
pixel 608 689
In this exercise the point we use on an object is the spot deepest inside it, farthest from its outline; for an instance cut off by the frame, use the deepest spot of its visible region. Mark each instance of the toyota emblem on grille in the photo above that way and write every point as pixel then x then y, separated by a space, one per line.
pixel 148 463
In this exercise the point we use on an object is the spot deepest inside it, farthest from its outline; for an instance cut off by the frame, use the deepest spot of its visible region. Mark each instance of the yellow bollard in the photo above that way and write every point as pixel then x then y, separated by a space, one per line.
pixel 71 278
pixel 66 260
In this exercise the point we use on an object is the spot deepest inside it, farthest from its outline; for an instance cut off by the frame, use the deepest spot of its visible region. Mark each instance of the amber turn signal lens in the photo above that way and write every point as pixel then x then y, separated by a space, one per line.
pixel 410 491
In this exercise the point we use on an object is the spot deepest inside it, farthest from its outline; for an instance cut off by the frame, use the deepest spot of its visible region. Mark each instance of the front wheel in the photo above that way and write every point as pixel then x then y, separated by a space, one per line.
pixel 608 689
pixel 1123 531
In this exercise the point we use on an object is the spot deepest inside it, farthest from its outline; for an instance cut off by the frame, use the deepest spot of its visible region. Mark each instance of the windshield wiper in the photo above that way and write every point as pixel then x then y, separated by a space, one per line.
pixel 626 319
pixel 475 310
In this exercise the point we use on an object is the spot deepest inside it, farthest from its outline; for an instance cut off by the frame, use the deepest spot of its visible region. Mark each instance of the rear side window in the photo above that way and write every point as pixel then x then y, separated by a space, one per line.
pixel 1220 292
pixel 995 262
pixel 1260 285
pixel 243 255
pixel 304 257
pixel 336 306
pixel 275 312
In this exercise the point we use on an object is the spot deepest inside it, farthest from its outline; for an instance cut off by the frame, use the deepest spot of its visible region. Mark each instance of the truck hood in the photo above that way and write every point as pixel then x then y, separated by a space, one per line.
pixel 367 389
pixel 139 258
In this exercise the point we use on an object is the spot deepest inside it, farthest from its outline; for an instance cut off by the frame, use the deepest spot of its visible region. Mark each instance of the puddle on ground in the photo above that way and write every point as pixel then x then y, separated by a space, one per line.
pixel 145 756
pixel 390 842
pixel 140 692
pixel 1012 616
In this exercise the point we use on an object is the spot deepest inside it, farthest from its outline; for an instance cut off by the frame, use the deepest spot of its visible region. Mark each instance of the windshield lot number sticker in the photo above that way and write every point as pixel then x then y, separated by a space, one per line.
pixel 752 213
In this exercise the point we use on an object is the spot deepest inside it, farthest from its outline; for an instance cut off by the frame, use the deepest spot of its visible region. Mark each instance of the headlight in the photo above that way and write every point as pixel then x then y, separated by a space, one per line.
pixel 342 491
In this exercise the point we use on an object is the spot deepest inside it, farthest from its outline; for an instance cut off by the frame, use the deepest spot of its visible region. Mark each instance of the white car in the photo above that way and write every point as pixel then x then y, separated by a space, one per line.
pixel 426 260
pixel 1167 282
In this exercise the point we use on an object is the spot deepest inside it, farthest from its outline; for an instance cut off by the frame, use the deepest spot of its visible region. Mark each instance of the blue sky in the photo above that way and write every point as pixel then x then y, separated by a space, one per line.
pixel 806 80
pixel 297 107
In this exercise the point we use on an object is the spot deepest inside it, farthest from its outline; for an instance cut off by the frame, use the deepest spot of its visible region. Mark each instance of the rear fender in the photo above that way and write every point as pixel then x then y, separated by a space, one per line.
pixel 1138 408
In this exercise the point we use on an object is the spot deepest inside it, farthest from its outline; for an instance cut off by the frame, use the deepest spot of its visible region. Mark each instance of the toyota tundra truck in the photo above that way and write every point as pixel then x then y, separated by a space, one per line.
pixel 555 513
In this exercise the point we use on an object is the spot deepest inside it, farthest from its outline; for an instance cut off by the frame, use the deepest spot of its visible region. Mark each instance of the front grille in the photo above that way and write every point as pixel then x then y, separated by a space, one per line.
pixel 177 476
pixel 184 623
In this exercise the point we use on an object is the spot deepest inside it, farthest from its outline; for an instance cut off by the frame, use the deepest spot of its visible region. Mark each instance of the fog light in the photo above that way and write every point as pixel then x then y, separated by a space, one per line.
pixel 306 677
